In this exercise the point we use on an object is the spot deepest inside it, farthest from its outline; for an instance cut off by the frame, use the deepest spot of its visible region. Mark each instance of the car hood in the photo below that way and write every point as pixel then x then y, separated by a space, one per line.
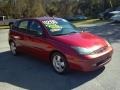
pixel 83 39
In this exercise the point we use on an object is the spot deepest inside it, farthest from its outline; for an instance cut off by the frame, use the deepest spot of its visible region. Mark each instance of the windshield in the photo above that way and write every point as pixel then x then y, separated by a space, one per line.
pixel 60 27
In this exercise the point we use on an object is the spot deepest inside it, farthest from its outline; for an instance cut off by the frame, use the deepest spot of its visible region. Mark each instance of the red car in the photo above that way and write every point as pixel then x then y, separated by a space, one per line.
pixel 58 41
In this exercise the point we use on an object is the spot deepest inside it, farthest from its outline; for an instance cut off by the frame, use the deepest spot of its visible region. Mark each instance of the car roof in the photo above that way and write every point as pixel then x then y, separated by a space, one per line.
pixel 42 18
pixel 48 18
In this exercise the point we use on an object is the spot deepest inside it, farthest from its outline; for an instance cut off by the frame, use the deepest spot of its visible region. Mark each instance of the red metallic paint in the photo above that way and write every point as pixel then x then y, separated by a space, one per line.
pixel 43 47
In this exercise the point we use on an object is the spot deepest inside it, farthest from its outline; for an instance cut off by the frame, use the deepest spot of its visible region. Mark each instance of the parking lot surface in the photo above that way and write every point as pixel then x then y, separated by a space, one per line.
pixel 28 73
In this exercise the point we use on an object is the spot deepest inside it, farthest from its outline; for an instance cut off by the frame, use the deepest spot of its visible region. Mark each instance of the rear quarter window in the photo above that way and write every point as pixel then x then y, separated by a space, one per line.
pixel 22 26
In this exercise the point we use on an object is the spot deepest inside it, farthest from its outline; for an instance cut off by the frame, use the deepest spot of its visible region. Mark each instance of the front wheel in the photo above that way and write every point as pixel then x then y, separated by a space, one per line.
pixel 59 63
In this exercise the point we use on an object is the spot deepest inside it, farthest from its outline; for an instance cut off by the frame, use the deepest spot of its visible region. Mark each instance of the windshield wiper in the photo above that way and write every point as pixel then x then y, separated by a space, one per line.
pixel 72 32
pixel 65 33
pixel 60 34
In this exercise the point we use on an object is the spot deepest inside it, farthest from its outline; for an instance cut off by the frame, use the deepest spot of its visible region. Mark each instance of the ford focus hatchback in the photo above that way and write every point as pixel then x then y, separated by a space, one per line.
pixel 61 43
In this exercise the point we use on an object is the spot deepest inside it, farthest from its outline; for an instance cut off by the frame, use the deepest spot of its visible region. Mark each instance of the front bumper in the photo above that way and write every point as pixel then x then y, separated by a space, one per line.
pixel 92 62
pixel 91 66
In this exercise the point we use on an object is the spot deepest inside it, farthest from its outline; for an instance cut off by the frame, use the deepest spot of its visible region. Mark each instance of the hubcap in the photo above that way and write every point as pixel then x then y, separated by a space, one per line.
pixel 13 48
pixel 58 63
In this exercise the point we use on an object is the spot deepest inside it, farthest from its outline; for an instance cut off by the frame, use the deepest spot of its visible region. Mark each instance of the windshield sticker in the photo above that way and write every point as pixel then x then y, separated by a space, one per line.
pixel 55 30
pixel 52 25
pixel 50 22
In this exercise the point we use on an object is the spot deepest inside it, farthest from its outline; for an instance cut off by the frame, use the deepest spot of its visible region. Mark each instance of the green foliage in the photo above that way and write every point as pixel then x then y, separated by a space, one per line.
pixel 22 8
pixel 62 8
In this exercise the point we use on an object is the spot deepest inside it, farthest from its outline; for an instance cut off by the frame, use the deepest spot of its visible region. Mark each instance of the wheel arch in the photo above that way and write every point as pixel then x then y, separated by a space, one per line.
pixel 56 51
pixel 66 61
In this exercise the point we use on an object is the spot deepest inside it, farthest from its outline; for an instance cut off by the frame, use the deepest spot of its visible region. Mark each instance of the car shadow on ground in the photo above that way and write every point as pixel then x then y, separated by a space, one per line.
pixel 33 74
pixel 110 31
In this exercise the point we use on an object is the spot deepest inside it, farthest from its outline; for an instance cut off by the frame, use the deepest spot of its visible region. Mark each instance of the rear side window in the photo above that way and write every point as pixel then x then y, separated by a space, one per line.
pixel 23 25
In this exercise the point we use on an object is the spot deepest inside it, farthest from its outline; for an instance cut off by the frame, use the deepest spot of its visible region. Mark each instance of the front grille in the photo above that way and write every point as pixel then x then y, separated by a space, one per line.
pixel 100 50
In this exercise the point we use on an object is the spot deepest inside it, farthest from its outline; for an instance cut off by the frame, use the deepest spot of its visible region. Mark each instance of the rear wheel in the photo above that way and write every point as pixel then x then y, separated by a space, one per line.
pixel 13 48
pixel 59 63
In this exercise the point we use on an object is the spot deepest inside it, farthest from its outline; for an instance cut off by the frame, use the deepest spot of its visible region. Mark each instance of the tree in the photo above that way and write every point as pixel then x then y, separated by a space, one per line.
pixel 35 8
pixel 22 8
pixel 62 8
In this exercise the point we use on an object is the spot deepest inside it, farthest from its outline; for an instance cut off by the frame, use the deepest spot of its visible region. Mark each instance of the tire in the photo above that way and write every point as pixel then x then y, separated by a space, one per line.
pixel 59 63
pixel 13 48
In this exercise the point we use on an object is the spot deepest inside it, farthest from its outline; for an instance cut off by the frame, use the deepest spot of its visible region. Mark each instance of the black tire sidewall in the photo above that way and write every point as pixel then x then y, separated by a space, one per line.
pixel 65 61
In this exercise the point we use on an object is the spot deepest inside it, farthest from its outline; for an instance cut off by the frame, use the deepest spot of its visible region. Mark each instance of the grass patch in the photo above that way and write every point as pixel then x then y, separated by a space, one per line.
pixel 90 21
pixel 4 27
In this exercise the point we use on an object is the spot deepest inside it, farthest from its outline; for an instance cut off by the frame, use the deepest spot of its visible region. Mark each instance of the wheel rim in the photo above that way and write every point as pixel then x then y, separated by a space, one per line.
pixel 58 63
pixel 13 48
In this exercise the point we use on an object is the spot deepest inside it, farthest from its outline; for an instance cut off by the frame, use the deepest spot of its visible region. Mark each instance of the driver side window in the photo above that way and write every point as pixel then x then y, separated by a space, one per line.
pixel 35 28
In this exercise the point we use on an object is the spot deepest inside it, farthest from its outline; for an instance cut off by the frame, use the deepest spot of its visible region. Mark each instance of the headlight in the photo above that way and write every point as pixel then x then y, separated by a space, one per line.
pixel 82 51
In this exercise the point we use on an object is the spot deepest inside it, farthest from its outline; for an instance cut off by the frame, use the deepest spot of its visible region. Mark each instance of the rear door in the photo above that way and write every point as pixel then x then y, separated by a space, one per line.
pixel 18 34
